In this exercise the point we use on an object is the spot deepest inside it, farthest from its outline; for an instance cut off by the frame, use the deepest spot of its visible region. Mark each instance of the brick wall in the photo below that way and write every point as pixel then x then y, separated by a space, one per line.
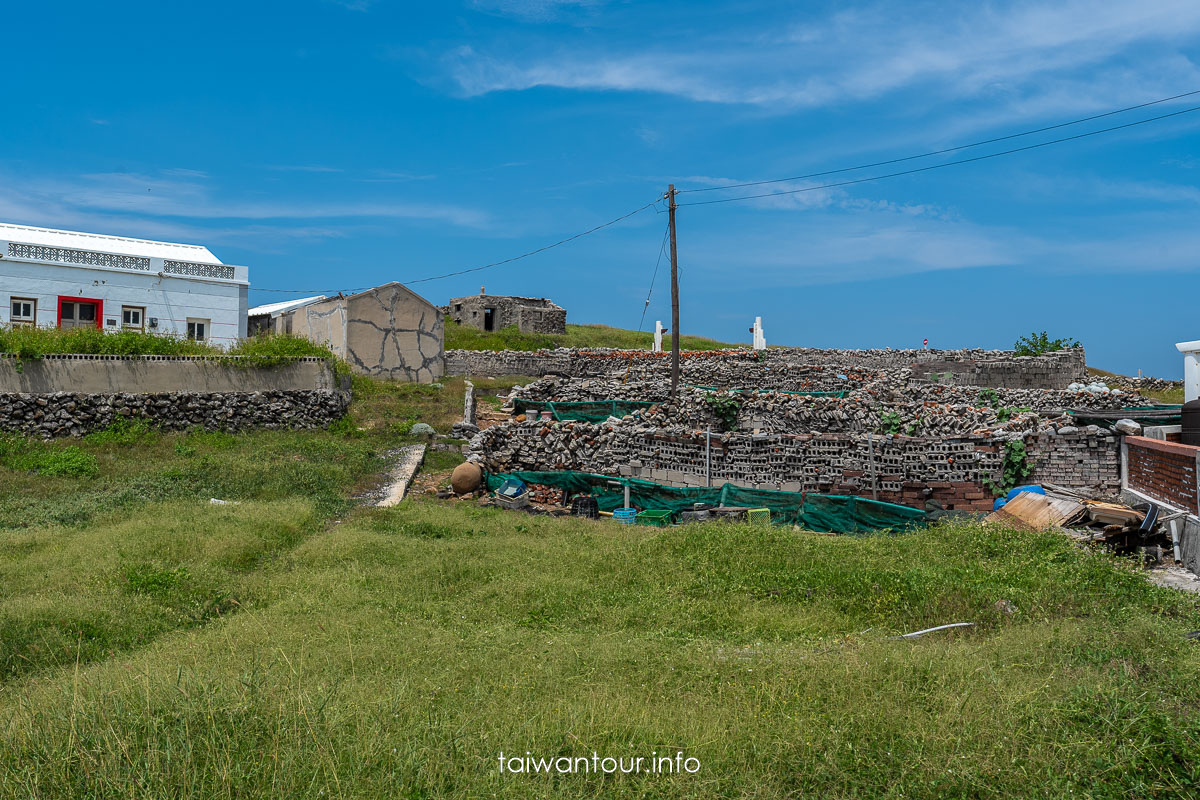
pixel 1165 471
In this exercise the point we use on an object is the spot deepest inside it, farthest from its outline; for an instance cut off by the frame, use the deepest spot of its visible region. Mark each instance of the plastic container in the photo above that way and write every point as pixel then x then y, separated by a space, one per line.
pixel 655 517
pixel 760 516
pixel 585 506
pixel 625 516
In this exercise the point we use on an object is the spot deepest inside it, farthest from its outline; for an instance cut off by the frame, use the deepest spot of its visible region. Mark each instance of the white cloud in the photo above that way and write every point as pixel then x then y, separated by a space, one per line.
pixel 1035 57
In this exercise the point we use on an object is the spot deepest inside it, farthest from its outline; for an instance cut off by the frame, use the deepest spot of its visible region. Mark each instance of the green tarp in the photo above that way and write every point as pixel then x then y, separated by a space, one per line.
pixel 814 512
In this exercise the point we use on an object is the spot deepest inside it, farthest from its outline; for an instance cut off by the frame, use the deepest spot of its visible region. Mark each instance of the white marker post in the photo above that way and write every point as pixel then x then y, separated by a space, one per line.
pixel 760 336
pixel 658 333
pixel 1191 369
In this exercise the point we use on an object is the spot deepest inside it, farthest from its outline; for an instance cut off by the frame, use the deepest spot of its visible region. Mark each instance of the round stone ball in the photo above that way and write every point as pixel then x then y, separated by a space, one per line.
pixel 466 478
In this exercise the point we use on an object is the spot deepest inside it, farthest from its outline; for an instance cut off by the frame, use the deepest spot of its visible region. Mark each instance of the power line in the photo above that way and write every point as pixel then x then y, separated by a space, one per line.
pixel 661 249
pixel 946 164
pixel 485 266
pixel 939 152
pixel 535 252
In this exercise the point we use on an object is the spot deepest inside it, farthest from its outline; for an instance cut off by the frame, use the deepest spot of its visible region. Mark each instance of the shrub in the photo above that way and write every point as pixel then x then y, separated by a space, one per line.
pixel 1037 343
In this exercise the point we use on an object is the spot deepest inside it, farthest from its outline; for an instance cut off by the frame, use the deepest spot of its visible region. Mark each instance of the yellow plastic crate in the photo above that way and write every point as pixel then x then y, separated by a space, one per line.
pixel 760 516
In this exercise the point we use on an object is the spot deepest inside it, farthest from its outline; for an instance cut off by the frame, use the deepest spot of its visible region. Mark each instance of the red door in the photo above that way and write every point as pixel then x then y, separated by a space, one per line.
pixel 79 312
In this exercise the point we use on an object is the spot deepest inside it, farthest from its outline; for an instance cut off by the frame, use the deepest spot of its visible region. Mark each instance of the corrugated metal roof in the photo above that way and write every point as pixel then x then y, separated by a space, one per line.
pixel 278 308
pixel 49 237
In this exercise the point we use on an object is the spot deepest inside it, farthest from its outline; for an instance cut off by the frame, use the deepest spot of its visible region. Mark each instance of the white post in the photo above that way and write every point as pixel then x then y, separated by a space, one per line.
pixel 1191 369
pixel 760 337
pixel 658 332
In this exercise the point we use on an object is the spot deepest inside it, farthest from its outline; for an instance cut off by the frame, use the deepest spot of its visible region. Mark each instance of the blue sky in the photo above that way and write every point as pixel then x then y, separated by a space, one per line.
pixel 338 145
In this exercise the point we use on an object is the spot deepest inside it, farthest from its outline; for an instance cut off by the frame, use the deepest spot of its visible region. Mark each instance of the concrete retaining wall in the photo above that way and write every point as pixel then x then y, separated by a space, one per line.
pixel 140 374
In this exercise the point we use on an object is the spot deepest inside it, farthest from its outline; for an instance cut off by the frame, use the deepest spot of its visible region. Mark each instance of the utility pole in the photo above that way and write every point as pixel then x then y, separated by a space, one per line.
pixel 674 294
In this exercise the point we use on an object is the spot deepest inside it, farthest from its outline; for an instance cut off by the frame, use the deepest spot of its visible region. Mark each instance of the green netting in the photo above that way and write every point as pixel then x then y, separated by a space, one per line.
pixel 823 512
pixel 586 411
pixel 813 512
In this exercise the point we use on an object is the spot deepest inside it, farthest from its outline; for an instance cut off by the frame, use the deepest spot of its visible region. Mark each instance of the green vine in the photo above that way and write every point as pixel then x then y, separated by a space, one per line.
pixel 1014 470
pixel 725 406
pixel 889 423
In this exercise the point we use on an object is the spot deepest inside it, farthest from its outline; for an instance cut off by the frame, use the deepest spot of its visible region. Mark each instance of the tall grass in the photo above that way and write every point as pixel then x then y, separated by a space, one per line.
pixel 289 643
pixel 398 653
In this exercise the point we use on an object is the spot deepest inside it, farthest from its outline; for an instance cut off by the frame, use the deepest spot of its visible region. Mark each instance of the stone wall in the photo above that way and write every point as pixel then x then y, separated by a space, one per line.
pixel 76 414
pixel 795 369
pixel 529 314
pixel 72 395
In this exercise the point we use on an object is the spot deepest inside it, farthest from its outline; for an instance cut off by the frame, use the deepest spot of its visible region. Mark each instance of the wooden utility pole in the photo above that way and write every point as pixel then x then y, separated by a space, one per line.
pixel 674 294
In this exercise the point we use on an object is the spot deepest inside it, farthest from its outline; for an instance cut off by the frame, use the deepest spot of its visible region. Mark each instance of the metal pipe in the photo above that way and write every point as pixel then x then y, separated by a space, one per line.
pixel 1174 525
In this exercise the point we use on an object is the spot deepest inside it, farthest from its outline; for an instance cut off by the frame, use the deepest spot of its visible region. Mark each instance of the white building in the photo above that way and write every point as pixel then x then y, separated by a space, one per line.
pixel 66 279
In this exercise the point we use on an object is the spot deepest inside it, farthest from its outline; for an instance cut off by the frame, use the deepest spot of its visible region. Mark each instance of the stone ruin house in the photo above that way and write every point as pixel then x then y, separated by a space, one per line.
pixel 493 312
pixel 386 332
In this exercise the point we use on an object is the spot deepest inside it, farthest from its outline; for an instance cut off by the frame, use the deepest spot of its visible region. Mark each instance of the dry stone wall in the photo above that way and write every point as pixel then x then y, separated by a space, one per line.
pixel 795 369
pixel 75 414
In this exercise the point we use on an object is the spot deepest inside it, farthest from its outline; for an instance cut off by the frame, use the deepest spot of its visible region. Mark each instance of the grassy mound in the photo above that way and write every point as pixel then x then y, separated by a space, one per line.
pixel 462 337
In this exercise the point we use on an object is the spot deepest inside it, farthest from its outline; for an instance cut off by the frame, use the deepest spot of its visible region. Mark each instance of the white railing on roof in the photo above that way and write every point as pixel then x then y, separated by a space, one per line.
pixel 72 256
pixel 221 271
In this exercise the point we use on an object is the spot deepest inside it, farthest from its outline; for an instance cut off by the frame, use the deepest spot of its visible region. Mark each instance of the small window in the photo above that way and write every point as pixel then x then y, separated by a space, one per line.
pixel 197 329
pixel 132 317
pixel 24 311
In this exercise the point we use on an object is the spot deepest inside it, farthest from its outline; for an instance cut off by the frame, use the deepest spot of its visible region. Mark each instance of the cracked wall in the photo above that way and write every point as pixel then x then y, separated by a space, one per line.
pixel 386 332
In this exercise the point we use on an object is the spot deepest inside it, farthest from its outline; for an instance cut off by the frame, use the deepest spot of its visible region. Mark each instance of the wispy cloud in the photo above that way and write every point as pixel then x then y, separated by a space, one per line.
pixel 185 208
pixel 1036 57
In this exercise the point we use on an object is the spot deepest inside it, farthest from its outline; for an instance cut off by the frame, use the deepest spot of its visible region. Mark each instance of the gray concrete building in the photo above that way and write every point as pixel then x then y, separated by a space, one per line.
pixel 493 312
pixel 386 332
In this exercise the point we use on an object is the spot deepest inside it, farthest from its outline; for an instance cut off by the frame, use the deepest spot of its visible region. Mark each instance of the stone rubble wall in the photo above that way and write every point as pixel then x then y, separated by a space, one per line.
pixel 953 471
pixel 883 388
pixel 794 369
pixel 61 414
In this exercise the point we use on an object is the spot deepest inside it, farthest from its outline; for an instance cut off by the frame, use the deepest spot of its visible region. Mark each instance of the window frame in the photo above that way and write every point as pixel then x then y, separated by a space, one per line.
pixel 31 319
pixel 190 329
pixel 127 326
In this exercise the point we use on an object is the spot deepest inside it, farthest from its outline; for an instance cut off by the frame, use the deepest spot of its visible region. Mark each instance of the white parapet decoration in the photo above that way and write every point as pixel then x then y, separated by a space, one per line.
pixel 1191 369
pixel 760 336
pixel 658 334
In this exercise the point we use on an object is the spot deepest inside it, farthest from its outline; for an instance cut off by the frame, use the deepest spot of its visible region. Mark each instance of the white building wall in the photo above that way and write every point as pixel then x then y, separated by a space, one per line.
pixel 169 299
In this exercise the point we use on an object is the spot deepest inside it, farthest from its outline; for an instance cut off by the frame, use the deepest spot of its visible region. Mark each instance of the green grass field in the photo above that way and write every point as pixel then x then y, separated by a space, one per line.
pixel 294 644
pixel 460 337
